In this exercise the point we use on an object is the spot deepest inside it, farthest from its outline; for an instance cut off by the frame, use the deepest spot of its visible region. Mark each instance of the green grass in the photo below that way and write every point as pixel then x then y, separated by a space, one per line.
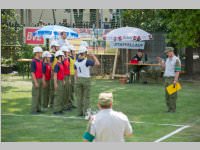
pixel 140 102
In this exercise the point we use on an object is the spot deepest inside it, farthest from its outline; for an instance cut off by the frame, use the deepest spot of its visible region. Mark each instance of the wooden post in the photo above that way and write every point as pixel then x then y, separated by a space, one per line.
pixel 115 64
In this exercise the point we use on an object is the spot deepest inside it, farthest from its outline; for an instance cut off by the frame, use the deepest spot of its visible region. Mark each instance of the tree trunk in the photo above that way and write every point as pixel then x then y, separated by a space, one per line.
pixel 189 61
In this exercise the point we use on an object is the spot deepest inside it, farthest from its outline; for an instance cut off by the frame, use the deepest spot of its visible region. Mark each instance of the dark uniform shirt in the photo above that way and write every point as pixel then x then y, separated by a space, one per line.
pixel 137 68
pixel 88 63
pixel 136 57
pixel 33 65
pixel 56 68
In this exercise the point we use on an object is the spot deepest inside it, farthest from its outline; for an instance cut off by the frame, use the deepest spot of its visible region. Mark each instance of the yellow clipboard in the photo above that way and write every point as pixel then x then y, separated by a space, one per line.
pixel 173 88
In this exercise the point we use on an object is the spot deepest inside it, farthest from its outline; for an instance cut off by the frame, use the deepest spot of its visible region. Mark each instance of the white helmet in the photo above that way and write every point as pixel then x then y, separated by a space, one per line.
pixel 59 53
pixel 84 43
pixel 72 48
pixel 54 43
pixel 65 49
pixel 82 49
pixel 46 54
pixel 37 49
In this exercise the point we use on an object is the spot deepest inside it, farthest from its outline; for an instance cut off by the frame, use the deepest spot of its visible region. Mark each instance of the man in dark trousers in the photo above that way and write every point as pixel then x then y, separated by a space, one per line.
pixel 172 68
pixel 137 59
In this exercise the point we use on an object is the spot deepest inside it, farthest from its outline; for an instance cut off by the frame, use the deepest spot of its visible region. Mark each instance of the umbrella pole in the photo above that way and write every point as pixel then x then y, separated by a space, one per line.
pixel 126 60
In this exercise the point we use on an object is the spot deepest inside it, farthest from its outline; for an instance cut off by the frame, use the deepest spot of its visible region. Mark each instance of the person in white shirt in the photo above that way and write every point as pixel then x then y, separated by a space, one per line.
pixel 82 77
pixel 172 68
pixel 63 39
pixel 108 125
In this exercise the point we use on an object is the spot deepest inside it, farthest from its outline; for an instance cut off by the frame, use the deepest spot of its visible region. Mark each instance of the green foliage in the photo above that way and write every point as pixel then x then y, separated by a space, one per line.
pixel 6 62
pixel 183 27
pixel 26 51
pixel 148 20
pixel 10 29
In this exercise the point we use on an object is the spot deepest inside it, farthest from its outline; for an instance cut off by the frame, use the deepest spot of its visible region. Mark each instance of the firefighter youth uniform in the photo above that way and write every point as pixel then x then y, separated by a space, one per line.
pixel 36 68
pixel 66 64
pixel 72 77
pixel 59 92
pixel 82 66
pixel 47 74
pixel 53 63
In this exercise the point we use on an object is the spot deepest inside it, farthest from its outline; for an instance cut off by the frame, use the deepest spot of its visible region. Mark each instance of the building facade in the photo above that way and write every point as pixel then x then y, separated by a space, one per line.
pixel 81 18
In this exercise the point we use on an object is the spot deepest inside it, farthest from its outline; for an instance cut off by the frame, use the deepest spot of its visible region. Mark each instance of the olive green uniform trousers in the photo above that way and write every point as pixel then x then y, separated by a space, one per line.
pixel 36 96
pixel 66 101
pixel 83 94
pixel 58 97
pixel 46 95
pixel 170 99
pixel 52 92
pixel 72 89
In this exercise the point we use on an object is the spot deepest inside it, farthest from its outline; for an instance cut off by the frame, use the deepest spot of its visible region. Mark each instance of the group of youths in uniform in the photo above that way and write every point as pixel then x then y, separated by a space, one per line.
pixel 54 75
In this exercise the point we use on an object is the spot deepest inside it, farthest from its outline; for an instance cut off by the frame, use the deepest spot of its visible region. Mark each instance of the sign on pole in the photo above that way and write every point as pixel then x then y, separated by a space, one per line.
pixel 127 44
pixel 29 39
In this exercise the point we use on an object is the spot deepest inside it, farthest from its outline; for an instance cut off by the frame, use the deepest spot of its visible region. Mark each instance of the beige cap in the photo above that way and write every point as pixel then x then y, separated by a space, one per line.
pixel 169 49
pixel 105 99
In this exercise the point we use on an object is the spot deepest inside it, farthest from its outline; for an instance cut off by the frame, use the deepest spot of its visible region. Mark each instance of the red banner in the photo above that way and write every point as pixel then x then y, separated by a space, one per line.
pixel 30 39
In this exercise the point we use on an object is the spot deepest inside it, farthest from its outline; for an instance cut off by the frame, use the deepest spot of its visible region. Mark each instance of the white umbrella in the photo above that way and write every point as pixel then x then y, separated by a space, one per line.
pixel 124 37
pixel 53 31
pixel 127 34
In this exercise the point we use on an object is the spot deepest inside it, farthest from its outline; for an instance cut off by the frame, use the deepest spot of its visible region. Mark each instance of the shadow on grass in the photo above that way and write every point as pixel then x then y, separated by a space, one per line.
pixel 17 105
pixel 22 79
pixel 23 91
pixel 5 89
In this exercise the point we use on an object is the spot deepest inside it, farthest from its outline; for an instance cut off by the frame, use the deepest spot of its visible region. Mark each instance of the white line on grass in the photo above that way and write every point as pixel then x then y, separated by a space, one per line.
pixel 160 124
pixel 171 134
pixel 182 127
pixel 47 116
pixel 81 118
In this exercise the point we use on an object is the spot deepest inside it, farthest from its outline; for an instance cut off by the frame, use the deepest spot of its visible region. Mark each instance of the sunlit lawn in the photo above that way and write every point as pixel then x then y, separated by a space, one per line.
pixel 141 103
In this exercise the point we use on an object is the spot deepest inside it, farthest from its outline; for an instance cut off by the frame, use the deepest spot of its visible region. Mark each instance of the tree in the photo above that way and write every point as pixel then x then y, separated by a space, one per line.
pixel 148 20
pixel 183 31
pixel 183 27
pixel 9 27
pixel 10 37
